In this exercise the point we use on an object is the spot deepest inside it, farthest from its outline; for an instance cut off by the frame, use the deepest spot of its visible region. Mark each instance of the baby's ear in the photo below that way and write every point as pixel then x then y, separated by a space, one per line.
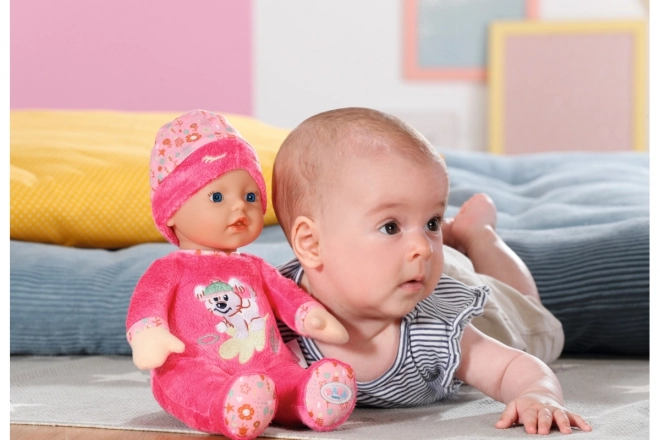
pixel 305 242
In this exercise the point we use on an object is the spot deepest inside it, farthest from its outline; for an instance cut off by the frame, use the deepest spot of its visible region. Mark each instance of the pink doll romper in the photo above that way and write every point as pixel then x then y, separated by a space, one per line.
pixel 235 374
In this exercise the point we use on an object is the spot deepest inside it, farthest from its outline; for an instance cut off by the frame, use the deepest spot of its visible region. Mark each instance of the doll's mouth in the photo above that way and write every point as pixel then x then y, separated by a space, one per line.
pixel 239 225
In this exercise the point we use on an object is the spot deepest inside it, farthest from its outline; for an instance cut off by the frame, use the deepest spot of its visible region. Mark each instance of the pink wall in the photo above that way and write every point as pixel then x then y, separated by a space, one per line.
pixel 131 54
pixel 569 92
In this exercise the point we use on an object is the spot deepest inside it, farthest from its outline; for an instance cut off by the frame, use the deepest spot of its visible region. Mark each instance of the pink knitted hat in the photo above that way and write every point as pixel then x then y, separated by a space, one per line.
pixel 190 152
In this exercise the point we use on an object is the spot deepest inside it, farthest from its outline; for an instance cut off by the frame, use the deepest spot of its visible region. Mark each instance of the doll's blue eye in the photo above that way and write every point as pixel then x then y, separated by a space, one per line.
pixel 215 197
pixel 251 197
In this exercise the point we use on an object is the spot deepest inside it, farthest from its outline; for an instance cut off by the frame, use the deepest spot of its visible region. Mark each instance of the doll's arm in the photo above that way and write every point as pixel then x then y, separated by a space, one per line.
pixel 319 324
pixel 152 346
pixel 148 331
pixel 298 310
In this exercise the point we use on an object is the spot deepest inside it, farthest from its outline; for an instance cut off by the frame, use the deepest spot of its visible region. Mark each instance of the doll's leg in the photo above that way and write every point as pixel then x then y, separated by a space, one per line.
pixel 472 232
pixel 206 398
pixel 321 396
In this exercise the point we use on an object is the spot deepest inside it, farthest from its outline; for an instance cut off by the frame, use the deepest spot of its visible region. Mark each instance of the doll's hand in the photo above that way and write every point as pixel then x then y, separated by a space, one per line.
pixel 321 325
pixel 152 346
pixel 538 414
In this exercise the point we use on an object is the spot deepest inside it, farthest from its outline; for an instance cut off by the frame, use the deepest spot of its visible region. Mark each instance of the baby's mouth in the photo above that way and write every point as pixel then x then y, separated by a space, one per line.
pixel 413 283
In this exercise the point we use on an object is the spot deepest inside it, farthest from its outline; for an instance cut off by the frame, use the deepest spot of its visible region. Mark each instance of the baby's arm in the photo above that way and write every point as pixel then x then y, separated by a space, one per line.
pixel 530 389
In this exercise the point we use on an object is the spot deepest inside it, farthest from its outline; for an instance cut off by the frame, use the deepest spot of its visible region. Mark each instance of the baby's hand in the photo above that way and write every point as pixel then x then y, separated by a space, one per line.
pixel 538 413
pixel 321 325
pixel 152 346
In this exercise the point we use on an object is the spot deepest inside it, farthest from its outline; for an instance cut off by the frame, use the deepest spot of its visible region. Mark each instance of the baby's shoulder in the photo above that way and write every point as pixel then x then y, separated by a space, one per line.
pixel 451 299
pixel 451 289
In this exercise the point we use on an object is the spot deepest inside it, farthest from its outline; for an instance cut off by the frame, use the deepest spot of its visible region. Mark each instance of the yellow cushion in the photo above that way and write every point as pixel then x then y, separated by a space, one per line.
pixel 81 178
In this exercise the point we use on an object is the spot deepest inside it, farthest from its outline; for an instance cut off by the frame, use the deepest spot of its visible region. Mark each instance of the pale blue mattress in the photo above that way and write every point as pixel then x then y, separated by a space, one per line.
pixel 580 221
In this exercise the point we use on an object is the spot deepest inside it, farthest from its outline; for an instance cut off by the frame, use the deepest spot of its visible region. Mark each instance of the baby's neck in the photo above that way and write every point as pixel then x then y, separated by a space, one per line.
pixel 371 350
pixel 372 343
pixel 359 328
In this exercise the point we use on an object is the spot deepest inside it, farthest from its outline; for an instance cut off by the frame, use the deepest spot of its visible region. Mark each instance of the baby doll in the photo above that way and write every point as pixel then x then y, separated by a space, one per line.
pixel 203 318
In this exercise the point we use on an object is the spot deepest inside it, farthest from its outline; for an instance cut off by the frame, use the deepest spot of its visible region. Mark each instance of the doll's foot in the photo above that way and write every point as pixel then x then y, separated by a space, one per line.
pixel 250 406
pixel 477 216
pixel 330 395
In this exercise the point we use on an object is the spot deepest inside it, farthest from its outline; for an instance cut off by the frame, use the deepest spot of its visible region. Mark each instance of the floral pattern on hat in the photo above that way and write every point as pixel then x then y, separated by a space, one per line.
pixel 177 140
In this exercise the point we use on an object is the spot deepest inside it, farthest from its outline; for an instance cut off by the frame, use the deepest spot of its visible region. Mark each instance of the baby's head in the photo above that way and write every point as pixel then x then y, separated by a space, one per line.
pixel 308 162
pixel 360 195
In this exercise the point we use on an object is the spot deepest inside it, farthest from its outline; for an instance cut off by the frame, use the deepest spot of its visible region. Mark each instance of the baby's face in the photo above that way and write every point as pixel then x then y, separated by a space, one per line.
pixel 381 238
pixel 224 215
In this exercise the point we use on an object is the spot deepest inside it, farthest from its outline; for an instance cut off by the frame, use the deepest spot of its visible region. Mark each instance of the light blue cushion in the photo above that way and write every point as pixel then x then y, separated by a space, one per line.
pixel 580 221
pixel 67 300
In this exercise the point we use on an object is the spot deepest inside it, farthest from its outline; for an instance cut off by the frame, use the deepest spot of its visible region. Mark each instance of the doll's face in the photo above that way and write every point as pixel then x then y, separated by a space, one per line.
pixel 224 215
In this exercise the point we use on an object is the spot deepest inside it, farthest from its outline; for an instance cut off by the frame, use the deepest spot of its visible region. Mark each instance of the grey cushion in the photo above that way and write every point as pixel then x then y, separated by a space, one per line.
pixel 579 220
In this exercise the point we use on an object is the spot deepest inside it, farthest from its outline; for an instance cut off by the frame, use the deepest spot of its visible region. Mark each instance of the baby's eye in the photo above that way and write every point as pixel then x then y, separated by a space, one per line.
pixel 251 197
pixel 433 224
pixel 215 197
pixel 390 228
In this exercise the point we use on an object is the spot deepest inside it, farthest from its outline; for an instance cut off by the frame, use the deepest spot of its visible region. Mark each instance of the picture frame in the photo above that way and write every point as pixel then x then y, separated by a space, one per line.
pixel 447 39
pixel 568 86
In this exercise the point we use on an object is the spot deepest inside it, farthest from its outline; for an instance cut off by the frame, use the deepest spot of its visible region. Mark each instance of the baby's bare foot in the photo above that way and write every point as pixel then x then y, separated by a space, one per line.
pixel 448 237
pixel 477 216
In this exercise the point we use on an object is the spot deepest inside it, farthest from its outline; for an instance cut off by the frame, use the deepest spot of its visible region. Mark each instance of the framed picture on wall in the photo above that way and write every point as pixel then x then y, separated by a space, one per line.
pixel 568 86
pixel 448 39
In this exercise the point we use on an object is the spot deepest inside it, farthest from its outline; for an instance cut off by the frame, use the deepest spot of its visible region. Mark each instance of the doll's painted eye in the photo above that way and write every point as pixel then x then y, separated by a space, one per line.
pixel 251 197
pixel 390 228
pixel 215 197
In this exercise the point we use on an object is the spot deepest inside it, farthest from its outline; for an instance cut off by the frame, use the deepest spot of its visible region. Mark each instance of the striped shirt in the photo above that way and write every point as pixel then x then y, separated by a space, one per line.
pixel 429 345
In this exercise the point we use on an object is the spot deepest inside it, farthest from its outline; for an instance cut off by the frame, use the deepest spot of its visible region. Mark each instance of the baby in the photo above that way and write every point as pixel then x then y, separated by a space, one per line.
pixel 361 197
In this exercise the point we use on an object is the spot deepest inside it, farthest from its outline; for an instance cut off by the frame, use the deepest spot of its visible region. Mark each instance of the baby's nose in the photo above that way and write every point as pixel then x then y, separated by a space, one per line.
pixel 420 246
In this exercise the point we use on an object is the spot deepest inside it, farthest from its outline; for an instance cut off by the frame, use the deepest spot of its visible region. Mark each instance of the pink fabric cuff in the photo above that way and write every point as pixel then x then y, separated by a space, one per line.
pixel 301 314
pixel 144 324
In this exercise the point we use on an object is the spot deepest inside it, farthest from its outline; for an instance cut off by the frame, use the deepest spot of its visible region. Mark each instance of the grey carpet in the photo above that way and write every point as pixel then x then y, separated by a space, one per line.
pixel 109 392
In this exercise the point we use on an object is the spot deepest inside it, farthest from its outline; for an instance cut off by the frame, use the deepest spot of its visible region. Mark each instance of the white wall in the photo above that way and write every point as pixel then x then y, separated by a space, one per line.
pixel 313 55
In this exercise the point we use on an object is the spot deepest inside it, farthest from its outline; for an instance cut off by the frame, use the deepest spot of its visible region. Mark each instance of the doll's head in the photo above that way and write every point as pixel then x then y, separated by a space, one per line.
pixel 189 154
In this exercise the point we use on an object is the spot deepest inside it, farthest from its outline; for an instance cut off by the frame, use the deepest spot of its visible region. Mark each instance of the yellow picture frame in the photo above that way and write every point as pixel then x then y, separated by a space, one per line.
pixel 500 35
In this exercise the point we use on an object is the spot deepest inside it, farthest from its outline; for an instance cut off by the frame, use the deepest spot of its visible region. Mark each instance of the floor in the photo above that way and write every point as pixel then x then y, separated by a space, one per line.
pixel 32 432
